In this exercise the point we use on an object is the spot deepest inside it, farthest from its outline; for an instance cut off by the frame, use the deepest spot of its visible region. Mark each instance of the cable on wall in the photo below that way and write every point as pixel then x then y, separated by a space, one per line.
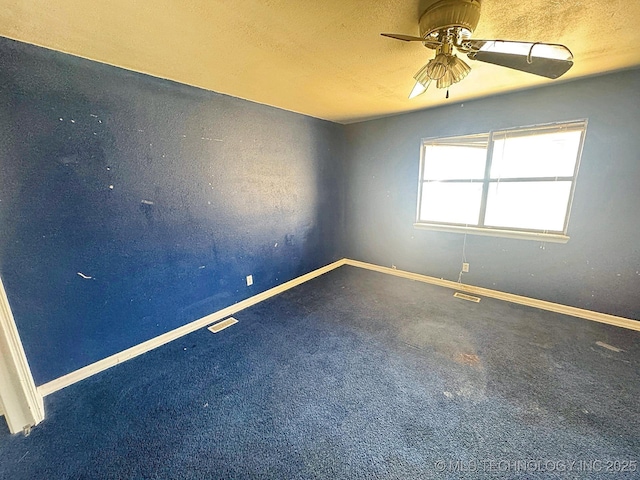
pixel 464 257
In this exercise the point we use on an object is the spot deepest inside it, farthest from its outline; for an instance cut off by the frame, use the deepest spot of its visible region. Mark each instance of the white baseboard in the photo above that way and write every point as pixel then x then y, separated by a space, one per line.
pixel 101 365
pixel 508 297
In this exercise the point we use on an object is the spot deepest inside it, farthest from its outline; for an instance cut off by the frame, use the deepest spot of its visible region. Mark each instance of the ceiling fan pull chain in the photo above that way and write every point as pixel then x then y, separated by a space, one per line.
pixel 447 93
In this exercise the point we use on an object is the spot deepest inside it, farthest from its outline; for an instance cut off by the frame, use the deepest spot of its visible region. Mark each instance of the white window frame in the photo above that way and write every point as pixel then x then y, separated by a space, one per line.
pixel 480 228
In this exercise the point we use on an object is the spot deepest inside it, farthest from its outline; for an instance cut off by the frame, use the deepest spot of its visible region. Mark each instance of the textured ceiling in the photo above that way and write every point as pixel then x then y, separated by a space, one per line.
pixel 321 58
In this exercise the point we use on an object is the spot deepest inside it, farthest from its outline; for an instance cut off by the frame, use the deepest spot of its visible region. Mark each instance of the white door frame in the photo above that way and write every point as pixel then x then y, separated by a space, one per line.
pixel 19 398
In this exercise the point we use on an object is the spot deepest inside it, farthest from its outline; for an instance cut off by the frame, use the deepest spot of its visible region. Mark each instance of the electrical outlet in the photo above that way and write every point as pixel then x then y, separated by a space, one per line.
pixel 249 280
pixel 465 268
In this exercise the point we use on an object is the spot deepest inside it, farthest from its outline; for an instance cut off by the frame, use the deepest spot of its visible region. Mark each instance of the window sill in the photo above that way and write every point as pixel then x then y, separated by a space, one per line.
pixel 494 232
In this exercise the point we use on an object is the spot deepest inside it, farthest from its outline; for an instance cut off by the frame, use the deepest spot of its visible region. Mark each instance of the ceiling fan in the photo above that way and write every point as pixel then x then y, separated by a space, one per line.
pixel 448 24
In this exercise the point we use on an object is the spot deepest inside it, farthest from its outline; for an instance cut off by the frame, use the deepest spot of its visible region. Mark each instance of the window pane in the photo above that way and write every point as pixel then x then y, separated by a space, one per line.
pixel 530 205
pixel 451 202
pixel 455 159
pixel 535 155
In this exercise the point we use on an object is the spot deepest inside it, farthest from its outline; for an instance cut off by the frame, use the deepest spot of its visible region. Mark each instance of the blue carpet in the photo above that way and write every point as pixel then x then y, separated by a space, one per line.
pixel 354 375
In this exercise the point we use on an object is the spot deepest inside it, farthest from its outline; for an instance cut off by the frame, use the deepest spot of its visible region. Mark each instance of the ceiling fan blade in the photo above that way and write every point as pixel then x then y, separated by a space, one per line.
pixel 419 89
pixel 545 67
pixel 410 38
pixel 544 59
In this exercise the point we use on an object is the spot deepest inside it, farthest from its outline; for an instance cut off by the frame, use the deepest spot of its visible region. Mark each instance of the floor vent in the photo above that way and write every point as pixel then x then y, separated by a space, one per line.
pixel 216 327
pixel 464 296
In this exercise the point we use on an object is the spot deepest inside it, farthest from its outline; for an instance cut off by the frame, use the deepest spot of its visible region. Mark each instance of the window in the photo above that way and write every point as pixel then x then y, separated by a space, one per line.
pixel 515 183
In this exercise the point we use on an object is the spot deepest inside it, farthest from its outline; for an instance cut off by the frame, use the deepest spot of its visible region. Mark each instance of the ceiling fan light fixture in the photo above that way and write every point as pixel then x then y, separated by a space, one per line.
pixel 437 67
pixel 458 68
pixel 445 69
pixel 422 75
pixel 446 80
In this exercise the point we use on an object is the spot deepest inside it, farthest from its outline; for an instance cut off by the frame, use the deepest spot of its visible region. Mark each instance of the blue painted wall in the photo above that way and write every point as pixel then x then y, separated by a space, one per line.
pixel 599 269
pixel 167 196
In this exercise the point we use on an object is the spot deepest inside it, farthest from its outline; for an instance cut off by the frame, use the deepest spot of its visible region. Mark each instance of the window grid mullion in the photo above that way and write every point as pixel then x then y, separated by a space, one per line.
pixel 486 181
pixel 421 181
pixel 503 180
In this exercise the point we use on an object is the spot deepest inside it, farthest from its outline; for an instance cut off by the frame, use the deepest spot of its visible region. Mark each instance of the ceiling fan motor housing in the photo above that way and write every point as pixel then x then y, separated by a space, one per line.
pixel 446 14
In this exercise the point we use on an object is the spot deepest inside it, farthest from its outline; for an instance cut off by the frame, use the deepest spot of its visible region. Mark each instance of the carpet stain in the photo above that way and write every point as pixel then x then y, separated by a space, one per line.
pixel 468 359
